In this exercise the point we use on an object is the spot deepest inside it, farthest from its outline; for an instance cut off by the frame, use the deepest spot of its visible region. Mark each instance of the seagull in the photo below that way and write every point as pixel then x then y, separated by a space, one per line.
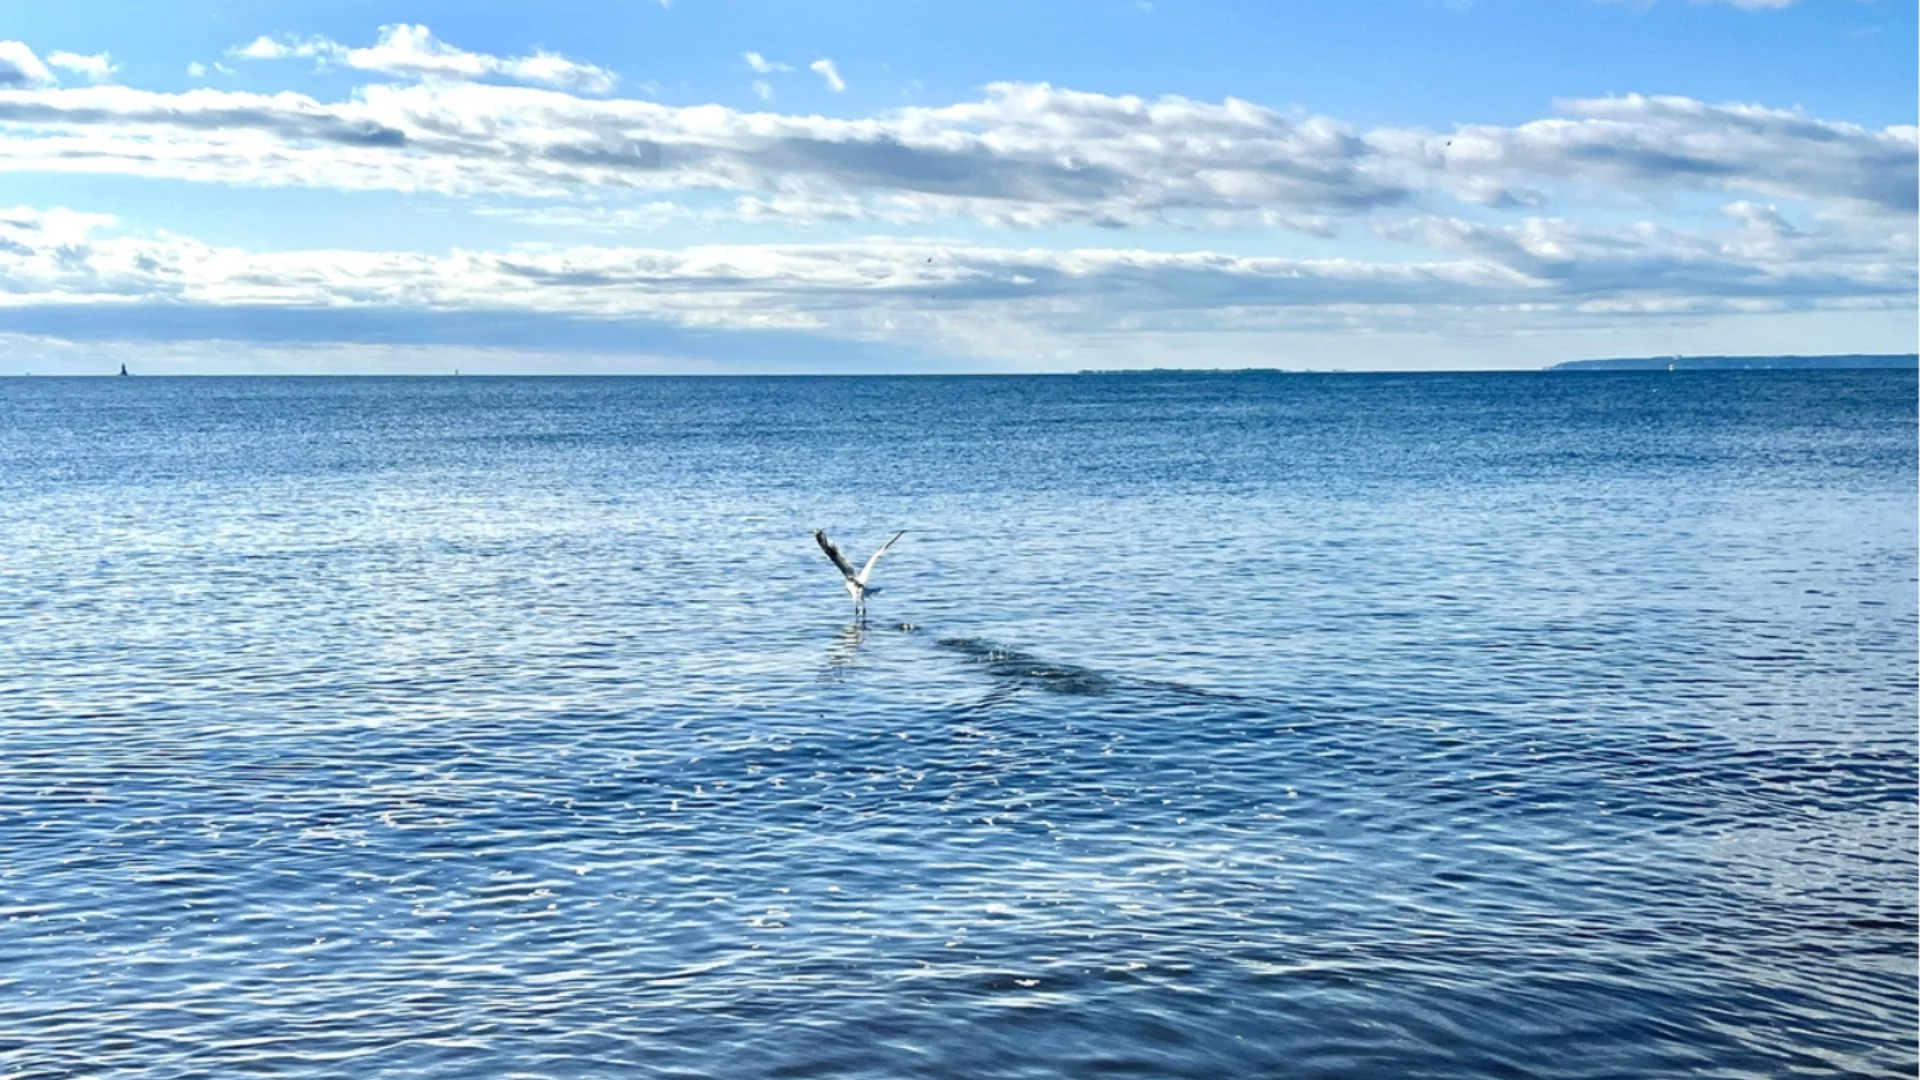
pixel 857 586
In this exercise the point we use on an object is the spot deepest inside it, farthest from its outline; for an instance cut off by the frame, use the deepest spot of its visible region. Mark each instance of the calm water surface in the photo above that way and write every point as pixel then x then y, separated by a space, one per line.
pixel 1410 726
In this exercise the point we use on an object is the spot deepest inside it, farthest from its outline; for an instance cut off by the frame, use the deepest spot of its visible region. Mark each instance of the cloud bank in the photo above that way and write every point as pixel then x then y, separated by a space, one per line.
pixel 958 300
pixel 1710 211
pixel 1024 155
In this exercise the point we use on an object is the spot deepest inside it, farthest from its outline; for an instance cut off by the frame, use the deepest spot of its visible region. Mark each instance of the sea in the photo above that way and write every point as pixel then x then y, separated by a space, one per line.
pixel 1204 725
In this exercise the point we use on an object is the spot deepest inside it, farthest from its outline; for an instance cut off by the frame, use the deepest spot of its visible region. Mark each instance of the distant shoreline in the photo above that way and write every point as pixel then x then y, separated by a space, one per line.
pixel 1838 362
pixel 1844 362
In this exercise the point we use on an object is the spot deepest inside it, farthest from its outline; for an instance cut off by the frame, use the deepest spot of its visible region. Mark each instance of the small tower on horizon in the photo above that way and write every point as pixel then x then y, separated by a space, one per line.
pixel 123 371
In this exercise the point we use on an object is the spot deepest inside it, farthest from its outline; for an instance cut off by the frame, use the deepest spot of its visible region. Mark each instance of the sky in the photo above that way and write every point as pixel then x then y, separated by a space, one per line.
pixel 700 186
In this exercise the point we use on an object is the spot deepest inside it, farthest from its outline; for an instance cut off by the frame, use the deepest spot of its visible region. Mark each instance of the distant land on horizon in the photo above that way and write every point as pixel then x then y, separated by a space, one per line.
pixel 1838 362
pixel 1744 363
pixel 1834 362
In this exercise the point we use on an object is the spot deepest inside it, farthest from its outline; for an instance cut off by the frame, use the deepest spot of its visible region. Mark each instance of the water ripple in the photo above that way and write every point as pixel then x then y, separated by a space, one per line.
pixel 1417 727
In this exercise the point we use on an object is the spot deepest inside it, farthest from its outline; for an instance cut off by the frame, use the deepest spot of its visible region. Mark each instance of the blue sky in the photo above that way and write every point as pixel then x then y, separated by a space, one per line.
pixel 627 185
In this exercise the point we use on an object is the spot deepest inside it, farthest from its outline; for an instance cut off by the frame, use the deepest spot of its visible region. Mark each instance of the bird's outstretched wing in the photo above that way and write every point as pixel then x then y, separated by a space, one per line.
pixel 833 553
pixel 875 557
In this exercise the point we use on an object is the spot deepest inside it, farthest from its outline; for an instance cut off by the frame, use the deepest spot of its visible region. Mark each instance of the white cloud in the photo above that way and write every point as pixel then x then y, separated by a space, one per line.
pixel 991 303
pixel 97 68
pixel 412 51
pixel 196 69
pixel 763 66
pixel 261 48
pixel 830 73
pixel 763 89
pixel 407 49
pixel 552 69
pixel 19 67
pixel 1643 143
pixel 1766 258
pixel 1024 155
pixel 266 48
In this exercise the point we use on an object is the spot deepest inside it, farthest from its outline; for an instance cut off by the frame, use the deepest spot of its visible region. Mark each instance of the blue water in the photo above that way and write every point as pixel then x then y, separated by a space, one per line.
pixel 1399 726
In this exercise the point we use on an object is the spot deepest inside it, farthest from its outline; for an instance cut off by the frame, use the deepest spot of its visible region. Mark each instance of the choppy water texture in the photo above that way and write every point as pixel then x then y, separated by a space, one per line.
pixel 1410 726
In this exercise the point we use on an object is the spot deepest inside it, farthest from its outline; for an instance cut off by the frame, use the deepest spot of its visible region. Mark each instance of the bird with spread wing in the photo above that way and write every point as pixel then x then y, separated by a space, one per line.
pixel 857 580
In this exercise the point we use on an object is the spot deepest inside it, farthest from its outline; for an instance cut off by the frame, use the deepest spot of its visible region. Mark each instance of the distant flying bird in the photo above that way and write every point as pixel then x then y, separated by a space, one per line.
pixel 857 586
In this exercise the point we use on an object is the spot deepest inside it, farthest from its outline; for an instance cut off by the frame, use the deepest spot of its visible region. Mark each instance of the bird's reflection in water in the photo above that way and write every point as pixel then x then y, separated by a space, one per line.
pixel 844 652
